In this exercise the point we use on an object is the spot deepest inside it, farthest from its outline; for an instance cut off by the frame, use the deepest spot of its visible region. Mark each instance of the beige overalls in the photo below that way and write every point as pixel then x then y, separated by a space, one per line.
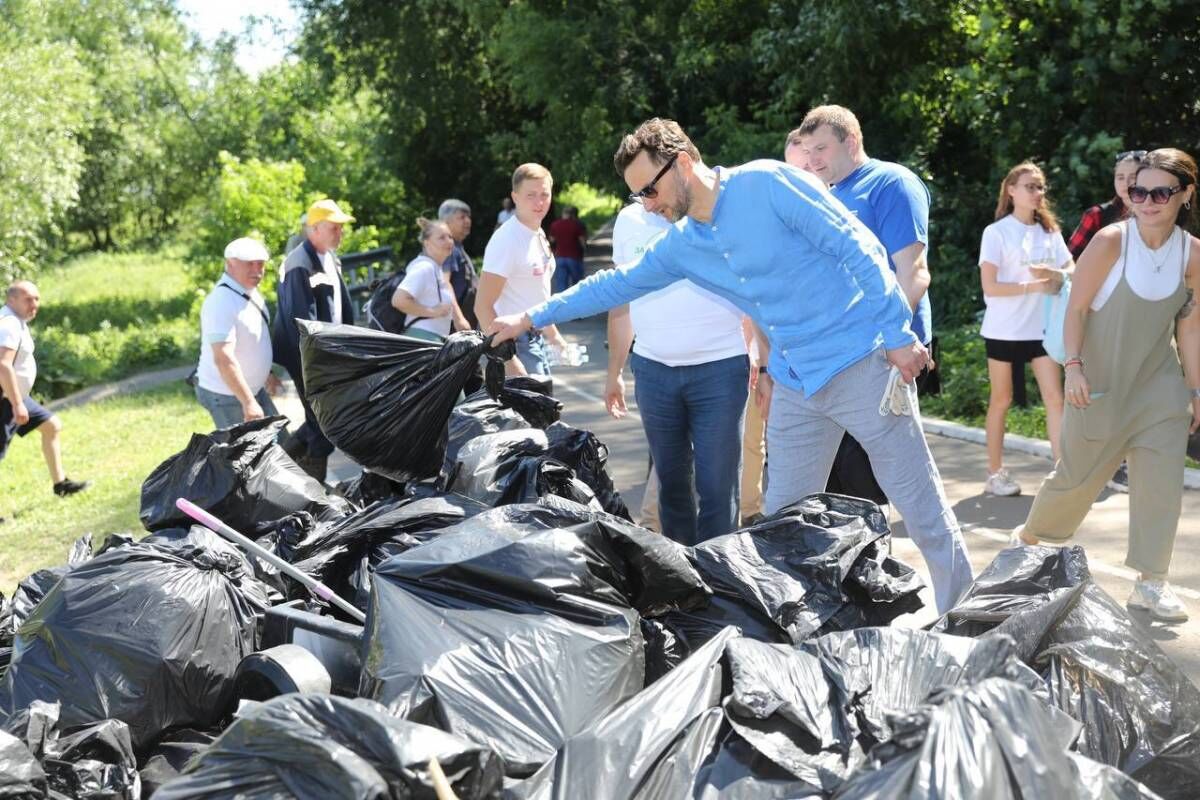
pixel 1140 410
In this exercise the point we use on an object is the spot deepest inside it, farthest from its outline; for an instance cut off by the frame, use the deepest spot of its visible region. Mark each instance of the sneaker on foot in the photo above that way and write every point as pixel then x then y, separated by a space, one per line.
pixel 67 487
pixel 1120 479
pixel 1001 485
pixel 1159 599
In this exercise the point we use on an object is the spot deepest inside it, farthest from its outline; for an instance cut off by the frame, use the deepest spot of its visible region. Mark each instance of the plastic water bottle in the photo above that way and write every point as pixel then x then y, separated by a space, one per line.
pixel 573 355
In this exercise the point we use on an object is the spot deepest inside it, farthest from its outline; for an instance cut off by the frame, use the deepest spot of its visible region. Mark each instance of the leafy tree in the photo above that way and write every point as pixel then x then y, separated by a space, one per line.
pixel 44 104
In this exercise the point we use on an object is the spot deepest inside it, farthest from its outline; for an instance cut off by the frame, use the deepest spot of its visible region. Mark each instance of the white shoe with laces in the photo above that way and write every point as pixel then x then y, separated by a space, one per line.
pixel 1001 485
pixel 1159 599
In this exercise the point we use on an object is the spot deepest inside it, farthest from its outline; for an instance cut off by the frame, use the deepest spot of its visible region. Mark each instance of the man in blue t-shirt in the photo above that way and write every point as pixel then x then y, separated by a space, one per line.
pixel 888 198
pixel 894 204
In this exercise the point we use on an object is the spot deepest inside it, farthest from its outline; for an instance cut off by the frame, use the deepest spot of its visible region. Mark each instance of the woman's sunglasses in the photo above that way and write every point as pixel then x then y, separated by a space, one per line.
pixel 1160 195
pixel 1130 155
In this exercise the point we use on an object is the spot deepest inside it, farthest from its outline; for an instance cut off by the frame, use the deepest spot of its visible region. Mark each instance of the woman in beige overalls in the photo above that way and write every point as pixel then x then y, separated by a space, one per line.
pixel 1126 396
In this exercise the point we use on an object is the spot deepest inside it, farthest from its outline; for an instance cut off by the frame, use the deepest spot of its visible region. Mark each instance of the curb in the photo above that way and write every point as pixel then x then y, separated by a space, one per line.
pixel 1019 444
pixel 134 383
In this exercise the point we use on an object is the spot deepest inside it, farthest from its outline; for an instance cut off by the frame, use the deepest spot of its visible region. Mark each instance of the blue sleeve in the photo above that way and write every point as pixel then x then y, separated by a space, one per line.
pixel 821 219
pixel 902 213
pixel 613 287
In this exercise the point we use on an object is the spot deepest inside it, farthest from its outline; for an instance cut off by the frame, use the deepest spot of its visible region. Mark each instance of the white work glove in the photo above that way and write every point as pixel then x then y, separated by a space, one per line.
pixel 897 396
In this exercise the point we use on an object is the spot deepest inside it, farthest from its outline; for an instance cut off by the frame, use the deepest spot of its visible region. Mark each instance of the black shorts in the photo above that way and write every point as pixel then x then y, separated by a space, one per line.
pixel 1014 352
pixel 9 427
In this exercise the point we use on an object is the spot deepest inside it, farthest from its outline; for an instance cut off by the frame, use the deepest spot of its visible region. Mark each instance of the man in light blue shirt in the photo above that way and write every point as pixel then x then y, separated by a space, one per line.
pixel 773 241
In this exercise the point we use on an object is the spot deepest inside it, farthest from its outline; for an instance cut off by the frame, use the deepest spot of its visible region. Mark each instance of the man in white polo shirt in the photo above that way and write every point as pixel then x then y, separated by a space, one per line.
pixel 234 373
pixel 20 414
pixel 692 377
pixel 517 265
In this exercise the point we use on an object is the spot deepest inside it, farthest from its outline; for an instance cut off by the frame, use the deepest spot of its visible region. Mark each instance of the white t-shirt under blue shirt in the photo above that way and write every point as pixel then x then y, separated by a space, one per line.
pixel 681 325
pixel 894 204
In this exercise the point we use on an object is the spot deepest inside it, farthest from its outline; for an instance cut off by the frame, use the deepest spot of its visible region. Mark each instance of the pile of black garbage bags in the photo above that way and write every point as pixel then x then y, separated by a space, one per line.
pixel 525 640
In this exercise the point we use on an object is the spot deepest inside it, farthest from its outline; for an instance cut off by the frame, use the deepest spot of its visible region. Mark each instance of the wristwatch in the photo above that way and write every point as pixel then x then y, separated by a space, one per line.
pixel 1195 394
pixel 763 371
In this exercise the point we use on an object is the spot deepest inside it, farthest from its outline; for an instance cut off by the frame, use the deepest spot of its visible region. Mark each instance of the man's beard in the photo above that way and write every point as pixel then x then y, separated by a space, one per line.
pixel 679 209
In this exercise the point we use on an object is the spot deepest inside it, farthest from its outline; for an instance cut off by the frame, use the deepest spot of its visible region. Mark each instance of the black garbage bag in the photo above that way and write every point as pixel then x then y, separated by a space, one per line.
pixel 322 747
pixel 90 762
pixel 21 776
pixel 1139 711
pixel 240 475
pixel 369 487
pixel 532 397
pixel 514 631
pixel 520 465
pixel 992 739
pixel 167 759
pixel 640 743
pixel 523 402
pixel 150 634
pixel 512 467
pixel 818 566
pixel 385 399
pixel 331 552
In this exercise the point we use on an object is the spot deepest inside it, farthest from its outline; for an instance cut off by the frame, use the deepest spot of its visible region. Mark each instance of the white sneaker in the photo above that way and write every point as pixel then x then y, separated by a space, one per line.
pixel 1159 599
pixel 999 484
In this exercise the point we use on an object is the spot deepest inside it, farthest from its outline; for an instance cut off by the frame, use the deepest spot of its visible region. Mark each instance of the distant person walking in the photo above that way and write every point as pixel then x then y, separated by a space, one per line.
pixel 1100 216
pixel 425 295
pixel 20 414
pixel 568 239
pixel 233 377
pixel 1134 289
pixel 1022 258
pixel 507 209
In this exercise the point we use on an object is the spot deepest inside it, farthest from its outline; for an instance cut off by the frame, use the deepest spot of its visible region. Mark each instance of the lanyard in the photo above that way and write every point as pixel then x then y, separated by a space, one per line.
pixel 246 296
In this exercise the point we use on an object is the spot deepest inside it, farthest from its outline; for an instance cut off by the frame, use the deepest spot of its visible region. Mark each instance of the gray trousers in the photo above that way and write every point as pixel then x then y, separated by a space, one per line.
pixel 802 439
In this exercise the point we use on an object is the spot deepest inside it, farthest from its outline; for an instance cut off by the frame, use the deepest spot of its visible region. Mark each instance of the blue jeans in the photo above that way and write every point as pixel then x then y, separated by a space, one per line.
pixel 693 421
pixel 534 353
pixel 226 409
pixel 567 273
pixel 803 434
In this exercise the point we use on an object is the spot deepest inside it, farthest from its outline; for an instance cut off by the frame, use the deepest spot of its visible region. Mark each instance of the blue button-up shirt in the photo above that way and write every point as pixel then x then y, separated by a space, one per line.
pixel 787 253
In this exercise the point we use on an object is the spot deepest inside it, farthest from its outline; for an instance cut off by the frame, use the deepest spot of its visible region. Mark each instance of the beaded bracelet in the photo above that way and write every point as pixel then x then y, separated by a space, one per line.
pixel 1073 361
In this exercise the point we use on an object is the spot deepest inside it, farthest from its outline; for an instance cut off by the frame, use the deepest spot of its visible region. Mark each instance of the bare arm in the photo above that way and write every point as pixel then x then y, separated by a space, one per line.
pixel 8 384
pixel 1090 273
pixel 1187 333
pixel 620 339
pixel 456 315
pixel 404 302
pixel 912 272
pixel 231 373
pixel 992 287
pixel 490 287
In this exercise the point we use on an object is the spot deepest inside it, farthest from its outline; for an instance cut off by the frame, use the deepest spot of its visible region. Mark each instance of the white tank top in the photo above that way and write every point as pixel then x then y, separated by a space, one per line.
pixel 1151 274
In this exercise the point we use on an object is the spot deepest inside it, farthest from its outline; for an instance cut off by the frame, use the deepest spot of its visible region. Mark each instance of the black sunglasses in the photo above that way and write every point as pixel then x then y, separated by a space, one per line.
pixel 1134 155
pixel 648 191
pixel 1159 194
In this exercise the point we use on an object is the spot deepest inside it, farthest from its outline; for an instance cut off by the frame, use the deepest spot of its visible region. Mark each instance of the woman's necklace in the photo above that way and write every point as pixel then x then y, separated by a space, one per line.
pixel 1166 251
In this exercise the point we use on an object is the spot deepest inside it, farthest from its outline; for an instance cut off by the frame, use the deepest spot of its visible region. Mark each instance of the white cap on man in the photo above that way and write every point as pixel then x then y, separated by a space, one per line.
pixel 247 249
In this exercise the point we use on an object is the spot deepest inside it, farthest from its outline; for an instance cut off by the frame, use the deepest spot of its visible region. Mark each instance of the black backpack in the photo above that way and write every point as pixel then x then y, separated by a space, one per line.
pixel 381 314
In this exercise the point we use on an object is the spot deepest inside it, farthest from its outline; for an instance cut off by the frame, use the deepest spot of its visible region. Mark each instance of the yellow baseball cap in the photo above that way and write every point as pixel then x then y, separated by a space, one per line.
pixel 327 211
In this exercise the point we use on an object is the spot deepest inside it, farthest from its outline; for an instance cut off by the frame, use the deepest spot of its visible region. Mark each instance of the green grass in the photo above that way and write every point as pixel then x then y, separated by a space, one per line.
pixel 105 316
pixel 115 444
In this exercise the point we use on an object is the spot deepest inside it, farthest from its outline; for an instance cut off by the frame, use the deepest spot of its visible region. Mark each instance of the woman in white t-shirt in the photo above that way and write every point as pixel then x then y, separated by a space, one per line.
pixel 424 296
pixel 1022 258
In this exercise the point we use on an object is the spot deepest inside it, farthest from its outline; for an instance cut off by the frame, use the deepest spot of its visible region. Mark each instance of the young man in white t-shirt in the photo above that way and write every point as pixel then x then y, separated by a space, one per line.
pixel 233 377
pixel 20 414
pixel 517 267
pixel 689 359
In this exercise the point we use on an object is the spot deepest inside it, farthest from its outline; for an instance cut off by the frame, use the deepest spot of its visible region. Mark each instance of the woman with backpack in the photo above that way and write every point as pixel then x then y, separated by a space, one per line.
pixel 424 296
